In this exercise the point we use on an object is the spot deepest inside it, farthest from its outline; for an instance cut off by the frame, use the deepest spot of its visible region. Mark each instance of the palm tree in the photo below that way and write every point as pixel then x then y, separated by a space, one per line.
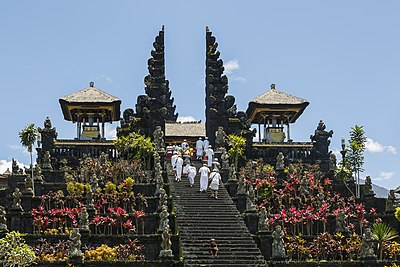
pixel 28 137
pixel 382 232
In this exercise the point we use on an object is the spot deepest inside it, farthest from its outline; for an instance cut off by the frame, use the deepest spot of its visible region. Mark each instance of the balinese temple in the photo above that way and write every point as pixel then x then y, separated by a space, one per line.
pixel 274 111
pixel 90 108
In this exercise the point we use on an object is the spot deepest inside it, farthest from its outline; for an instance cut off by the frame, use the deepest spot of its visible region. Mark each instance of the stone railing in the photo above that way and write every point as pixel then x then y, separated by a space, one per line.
pixel 293 152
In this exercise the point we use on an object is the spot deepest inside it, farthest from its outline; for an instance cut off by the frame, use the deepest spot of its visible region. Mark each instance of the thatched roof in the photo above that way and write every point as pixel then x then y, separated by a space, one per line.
pixel 90 94
pixel 189 129
pixel 276 97
pixel 90 100
pixel 276 103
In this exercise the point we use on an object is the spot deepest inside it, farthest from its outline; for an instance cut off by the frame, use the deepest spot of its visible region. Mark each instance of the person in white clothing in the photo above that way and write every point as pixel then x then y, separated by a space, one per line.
pixel 206 143
pixel 215 179
pixel 204 171
pixel 199 148
pixel 178 167
pixel 192 173
pixel 173 160
pixel 186 163
pixel 210 155
pixel 184 145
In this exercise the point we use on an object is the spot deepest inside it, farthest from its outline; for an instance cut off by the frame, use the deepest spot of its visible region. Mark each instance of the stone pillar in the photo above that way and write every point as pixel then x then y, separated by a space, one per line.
pixel 252 221
pixel 265 245
pixel 15 224
pixel 26 200
pixel 241 202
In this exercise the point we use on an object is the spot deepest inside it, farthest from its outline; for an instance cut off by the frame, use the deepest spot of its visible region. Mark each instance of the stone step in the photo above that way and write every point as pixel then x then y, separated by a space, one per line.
pixel 200 217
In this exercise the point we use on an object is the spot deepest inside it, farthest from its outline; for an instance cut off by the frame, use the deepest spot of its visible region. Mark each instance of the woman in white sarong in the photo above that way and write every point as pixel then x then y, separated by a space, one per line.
pixel 215 178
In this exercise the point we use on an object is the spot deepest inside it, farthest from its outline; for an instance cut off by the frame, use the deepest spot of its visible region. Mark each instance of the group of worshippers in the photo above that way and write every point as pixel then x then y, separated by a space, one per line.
pixel 203 148
pixel 181 164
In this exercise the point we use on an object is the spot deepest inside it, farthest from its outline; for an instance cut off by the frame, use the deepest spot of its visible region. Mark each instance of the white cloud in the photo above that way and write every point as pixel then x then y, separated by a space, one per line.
pixel 185 119
pixel 4 165
pixel 375 147
pixel 231 66
pixel 19 148
pixel 239 79
pixel 110 132
pixel 383 176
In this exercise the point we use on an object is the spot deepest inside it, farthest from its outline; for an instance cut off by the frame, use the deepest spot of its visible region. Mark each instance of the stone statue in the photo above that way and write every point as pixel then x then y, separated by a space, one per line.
pixel 17 200
pixel 250 199
pixel 163 198
pixel 341 221
pixel 37 173
pixel 3 219
pixel 241 189
pixel 158 136
pixel 89 200
pixel 46 163
pixel 224 159
pixel 84 219
pixel 75 244
pixel 28 184
pixel 390 202
pixel 368 191
pixel 14 167
pixel 280 161
pixel 321 132
pixel 94 183
pixel 262 220
pixel 164 221
pixel 166 243
pixel 332 162
pixel 367 246
pixel 278 247
pixel 103 158
pixel 47 123
pixel 220 138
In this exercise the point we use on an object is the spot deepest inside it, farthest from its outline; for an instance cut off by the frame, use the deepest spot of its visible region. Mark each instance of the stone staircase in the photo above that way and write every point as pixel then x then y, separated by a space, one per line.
pixel 200 218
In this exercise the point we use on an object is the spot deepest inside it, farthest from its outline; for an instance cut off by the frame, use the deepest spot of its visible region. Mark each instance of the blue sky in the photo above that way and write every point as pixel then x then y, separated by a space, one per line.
pixel 342 56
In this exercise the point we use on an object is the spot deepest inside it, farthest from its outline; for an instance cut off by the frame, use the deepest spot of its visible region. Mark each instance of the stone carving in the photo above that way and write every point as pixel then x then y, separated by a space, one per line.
pixel 28 184
pixel 241 189
pixel 262 220
pixel 280 161
pixel 367 246
pixel 47 123
pixel 368 191
pixel 220 138
pixel 390 202
pixel 166 251
pixel 89 200
pixel 278 246
pixel 163 198
pixel 321 145
pixel 332 162
pixel 17 200
pixel 3 219
pixel 46 164
pixel 250 199
pixel 37 173
pixel 157 106
pixel 103 158
pixel 94 183
pixel 84 219
pixel 75 244
pixel 341 221
pixel 224 159
pixel 320 132
pixel 14 167
pixel 158 137
pixel 164 221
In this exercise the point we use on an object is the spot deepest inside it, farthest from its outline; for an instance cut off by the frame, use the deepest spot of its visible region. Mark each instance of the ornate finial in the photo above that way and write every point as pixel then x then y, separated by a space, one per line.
pixel 273 86
pixel 91 84
pixel 162 28
pixel 207 29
